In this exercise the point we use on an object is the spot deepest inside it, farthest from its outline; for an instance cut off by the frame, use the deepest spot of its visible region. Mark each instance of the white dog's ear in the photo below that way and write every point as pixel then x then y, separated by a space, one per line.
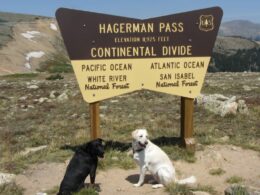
pixel 134 133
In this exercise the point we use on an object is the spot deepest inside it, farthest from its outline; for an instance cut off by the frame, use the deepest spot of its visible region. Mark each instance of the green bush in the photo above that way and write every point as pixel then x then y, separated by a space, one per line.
pixel 56 64
pixel 86 191
pixel 234 179
pixel 55 77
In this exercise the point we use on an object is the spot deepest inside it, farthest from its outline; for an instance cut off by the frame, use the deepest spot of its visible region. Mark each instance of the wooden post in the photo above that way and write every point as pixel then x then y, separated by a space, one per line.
pixel 187 123
pixel 94 121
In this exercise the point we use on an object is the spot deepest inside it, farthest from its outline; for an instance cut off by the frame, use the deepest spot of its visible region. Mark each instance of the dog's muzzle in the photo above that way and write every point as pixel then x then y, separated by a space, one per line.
pixel 143 145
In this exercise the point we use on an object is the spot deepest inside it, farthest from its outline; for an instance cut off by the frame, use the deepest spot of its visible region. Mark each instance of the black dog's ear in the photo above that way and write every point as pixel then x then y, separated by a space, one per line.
pixel 100 139
pixel 89 145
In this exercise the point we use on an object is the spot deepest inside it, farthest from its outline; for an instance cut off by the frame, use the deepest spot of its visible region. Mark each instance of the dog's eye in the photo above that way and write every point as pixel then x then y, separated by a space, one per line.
pixel 140 135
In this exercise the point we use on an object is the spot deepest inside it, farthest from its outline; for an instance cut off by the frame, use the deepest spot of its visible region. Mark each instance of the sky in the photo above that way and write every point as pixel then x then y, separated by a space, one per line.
pixel 141 9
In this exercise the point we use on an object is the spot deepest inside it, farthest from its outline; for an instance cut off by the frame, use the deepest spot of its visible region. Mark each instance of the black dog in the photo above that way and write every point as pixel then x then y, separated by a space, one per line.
pixel 83 163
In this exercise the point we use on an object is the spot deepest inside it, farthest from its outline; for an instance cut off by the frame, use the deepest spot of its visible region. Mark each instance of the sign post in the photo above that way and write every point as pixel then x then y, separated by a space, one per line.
pixel 113 55
pixel 187 123
pixel 94 120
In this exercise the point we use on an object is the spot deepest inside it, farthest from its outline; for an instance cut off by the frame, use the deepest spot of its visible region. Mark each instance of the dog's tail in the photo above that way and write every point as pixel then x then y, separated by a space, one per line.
pixel 189 180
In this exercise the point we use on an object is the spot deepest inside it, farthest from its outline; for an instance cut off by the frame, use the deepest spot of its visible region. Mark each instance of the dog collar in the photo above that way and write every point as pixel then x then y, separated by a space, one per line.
pixel 138 150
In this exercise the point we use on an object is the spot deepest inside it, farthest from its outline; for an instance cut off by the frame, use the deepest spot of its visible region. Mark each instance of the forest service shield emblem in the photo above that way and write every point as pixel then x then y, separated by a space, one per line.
pixel 206 23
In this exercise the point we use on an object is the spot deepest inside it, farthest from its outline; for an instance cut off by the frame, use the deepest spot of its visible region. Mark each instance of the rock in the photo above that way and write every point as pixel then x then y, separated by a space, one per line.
pixel 54 94
pixel 254 190
pixel 221 97
pixel 83 115
pixel 6 178
pixel 42 99
pixel 103 107
pixel 75 115
pixel 32 87
pixel 235 148
pixel 246 88
pixel 232 99
pixel 120 190
pixel 23 98
pixel 229 108
pixel 23 106
pixel 34 149
pixel 63 97
pixel 241 189
pixel 221 105
pixel 199 193
pixel 35 101
pixel 30 106
pixel 177 117
pixel 113 101
pixel 41 193
pixel 225 138
pixel 115 158
pixel 242 107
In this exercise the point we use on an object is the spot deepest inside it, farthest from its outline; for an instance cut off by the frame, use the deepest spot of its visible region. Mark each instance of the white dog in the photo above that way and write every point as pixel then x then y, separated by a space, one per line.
pixel 151 158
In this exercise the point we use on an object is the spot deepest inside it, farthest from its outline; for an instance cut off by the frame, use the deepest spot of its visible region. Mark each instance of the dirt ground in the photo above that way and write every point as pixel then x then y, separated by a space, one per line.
pixel 235 161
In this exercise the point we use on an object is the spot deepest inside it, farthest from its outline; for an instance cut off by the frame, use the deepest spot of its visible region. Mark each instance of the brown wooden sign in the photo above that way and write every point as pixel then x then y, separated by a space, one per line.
pixel 113 55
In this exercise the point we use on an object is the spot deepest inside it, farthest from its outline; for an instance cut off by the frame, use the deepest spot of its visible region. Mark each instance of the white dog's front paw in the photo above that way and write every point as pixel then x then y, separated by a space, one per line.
pixel 155 186
pixel 137 185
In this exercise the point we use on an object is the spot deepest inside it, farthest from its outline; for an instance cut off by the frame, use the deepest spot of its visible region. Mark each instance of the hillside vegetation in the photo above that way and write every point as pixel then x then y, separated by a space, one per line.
pixel 33 43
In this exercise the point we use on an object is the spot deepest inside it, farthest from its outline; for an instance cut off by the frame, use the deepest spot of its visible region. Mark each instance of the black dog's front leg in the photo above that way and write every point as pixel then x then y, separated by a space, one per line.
pixel 93 174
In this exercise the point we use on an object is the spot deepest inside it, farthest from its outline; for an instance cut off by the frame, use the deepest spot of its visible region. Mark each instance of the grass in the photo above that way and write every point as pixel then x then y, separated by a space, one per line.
pixel 54 124
pixel 114 158
pixel 63 125
pixel 17 163
pixel 175 189
pixel 217 171
pixel 11 189
pixel 21 75
pixel 244 134
pixel 234 179
pixel 84 191
pixel 177 153
pixel 239 190
pixel 55 77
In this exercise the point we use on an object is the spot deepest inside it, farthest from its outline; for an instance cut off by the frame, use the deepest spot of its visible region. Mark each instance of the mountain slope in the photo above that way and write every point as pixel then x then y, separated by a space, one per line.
pixel 241 28
pixel 8 20
pixel 27 41
pixel 31 43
